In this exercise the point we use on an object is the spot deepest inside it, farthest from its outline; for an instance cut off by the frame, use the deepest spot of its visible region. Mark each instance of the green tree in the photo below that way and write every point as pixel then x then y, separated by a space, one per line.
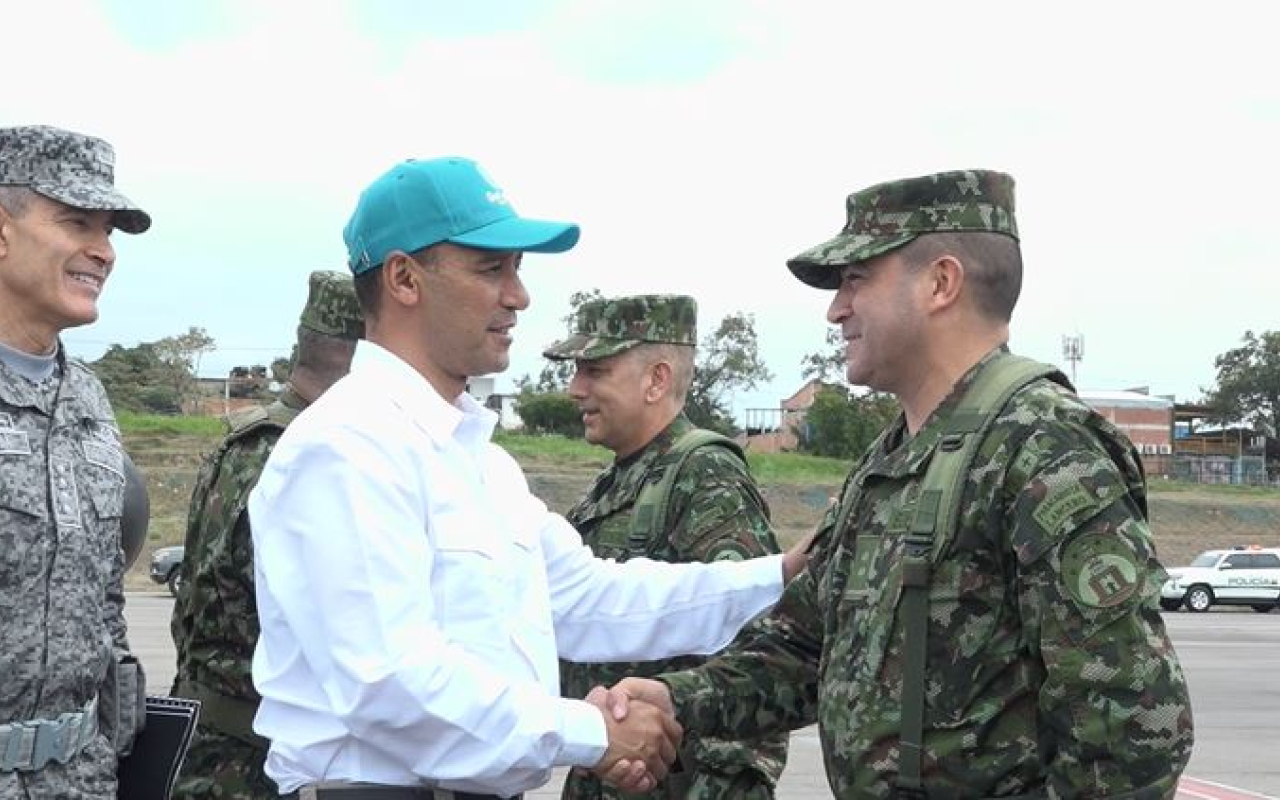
pixel 550 412
pixel 1248 384
pixel 842 424
pixel 826 365
pixel 728 361
pixel 182 354
pixel 138 379
pixel 555 375
pixel 282 368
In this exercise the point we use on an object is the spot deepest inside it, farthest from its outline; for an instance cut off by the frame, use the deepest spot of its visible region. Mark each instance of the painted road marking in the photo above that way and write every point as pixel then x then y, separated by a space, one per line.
pixel 1196 789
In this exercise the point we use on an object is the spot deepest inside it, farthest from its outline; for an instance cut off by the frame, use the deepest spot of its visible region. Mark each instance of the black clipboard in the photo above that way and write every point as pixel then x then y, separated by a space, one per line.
pixel 150 769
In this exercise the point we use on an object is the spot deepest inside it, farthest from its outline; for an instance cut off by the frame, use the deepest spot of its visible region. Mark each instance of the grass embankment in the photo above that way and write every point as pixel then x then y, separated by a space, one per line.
pixel 1186 518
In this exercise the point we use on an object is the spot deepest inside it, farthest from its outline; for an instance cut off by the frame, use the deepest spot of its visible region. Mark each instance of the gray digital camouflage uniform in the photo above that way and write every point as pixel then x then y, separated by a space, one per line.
pixel 714 512
pixel 215 617
pixel 1048 670
pixel 61 570
pixel 69 688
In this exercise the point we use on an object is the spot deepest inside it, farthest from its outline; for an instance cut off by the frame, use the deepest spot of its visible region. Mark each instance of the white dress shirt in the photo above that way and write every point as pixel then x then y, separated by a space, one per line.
pixel 413 598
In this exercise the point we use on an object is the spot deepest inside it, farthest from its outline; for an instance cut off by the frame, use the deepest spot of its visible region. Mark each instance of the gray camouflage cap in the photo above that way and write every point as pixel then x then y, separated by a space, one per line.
pixel 606 327
pixel 332 307
pixel 69 167
pixel 886 216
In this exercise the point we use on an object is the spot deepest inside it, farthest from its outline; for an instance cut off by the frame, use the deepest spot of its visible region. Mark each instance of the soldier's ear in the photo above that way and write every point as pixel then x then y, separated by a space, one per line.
pixel 4 231
pixel 660 376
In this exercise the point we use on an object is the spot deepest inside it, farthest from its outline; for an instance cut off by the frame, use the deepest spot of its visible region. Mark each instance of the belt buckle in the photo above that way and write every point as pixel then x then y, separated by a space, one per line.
pixel 49 744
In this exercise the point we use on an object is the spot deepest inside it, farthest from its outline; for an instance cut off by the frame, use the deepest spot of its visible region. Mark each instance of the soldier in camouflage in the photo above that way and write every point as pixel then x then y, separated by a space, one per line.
pixel 71 694
pixel 215 621
pixel 1046 667
pixel 634 365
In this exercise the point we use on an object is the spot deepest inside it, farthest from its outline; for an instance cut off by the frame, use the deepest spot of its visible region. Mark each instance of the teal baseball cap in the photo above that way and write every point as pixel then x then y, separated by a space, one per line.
pixel 416 204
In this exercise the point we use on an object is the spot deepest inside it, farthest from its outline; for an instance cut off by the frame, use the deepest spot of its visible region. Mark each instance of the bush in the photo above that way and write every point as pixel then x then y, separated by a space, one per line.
pixel 550 412
pixel 840 426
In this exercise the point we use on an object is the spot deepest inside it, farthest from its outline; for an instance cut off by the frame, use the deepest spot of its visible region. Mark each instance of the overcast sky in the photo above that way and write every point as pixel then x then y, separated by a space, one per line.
pixel 699 145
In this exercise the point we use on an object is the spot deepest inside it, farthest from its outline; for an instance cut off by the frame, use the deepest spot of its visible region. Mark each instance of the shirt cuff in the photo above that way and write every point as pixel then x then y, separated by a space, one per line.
pixel 584 735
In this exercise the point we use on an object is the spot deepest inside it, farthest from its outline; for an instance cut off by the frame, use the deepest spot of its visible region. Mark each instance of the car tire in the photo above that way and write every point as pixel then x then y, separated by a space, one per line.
pixel 1263 608
pixel 1199 598
pixel 175 581
pixel 1170 605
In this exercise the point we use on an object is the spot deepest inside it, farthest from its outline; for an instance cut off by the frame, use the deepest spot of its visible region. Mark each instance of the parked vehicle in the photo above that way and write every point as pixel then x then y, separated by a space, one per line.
pixel 166 567
pixel 1244 576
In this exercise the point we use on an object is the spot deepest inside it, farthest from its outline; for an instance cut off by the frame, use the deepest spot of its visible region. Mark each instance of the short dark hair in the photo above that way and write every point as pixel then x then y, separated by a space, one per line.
pixel 992 261
pixel 366 283
pixel 680 357
pixel 367 291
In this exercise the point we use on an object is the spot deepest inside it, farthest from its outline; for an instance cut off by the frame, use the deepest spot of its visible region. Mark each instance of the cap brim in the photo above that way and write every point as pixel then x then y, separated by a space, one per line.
pixel 516 233
pixel 587 348
pixel 127 217
pixel 820 266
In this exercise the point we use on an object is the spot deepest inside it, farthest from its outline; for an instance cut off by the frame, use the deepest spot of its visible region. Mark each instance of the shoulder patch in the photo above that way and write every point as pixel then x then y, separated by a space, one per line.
pixel 1098 570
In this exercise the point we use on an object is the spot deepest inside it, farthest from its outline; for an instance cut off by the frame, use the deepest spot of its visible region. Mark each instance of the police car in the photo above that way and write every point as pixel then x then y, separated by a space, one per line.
pixel 1244 576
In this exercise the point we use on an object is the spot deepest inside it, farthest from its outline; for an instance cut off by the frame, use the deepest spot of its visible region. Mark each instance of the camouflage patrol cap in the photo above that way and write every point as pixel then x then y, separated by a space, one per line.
pixel 606 327
pixel 69 167
pixel 888 215
pixel 332 307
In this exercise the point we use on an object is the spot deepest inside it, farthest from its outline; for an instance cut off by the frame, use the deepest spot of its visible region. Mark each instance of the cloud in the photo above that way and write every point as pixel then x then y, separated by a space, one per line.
pixel 699 146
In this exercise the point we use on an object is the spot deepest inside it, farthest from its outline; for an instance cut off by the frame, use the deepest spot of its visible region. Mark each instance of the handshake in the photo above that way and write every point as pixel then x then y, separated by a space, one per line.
pixel 643 733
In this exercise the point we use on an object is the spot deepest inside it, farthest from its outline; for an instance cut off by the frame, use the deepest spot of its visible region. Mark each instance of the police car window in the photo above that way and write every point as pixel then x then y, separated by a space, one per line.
pixel 1239 561
pixel 1266 561
pixel 1205 560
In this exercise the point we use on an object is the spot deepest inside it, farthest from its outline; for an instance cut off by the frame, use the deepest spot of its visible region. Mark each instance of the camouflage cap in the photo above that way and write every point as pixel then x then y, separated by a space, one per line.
pixel 606 327
pixel 332 307
pixel 888 215
pixel 68 167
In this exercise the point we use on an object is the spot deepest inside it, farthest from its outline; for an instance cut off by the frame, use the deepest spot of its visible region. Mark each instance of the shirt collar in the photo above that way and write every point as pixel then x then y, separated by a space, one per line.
pixel 460 418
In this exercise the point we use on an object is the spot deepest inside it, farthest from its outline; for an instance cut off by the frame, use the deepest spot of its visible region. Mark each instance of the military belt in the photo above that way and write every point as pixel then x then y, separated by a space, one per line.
pixel 344 790
pixel 28 745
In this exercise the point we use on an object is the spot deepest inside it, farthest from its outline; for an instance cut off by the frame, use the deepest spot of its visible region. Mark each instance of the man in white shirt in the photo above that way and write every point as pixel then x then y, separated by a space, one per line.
pixel 413 594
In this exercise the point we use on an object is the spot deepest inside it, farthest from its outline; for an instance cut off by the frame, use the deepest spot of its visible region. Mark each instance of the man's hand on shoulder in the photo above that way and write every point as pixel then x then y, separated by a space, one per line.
pixel 797 556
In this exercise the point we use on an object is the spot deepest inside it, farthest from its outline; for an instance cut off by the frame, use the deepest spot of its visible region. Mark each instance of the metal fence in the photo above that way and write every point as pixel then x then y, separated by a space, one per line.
pixel 1242 470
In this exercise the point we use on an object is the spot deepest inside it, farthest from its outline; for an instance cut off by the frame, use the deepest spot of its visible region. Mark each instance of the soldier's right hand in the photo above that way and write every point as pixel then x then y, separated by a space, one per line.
pixel 646 737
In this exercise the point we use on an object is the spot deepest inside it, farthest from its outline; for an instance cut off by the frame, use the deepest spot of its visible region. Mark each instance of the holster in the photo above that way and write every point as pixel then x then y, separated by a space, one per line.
pixel 122 703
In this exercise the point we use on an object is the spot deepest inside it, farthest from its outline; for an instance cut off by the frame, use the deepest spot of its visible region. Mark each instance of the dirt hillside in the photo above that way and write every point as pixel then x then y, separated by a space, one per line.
pixel 1185 522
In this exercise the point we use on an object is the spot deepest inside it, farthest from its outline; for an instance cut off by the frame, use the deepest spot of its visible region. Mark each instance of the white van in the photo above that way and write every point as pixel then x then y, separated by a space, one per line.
pixel 1245 576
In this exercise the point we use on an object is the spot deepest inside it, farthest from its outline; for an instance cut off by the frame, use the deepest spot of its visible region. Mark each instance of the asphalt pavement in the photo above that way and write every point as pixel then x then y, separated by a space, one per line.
pixel 1231 658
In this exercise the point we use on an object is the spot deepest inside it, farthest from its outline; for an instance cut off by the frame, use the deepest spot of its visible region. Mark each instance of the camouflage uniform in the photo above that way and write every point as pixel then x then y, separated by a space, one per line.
pixel 715 512
pixel 61 572
pixel 215 620
pixel 63 649
pixel 1039 682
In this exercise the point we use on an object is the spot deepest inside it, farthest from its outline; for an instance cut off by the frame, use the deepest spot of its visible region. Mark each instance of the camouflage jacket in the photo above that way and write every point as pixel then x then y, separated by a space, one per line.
pixel 215 619
pixel 61 566
pixel 715 512
pixel 1049 670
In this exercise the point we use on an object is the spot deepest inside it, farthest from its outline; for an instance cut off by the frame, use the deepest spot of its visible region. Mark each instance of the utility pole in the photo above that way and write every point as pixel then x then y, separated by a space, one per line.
pixel 1073 351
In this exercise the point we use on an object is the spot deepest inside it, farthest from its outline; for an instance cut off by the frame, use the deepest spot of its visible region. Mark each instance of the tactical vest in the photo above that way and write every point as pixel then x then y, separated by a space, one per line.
pixel 649 514
pixel 933 524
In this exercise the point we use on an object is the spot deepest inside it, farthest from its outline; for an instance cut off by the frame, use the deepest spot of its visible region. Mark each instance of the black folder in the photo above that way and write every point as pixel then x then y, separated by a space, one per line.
pixel 148 772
